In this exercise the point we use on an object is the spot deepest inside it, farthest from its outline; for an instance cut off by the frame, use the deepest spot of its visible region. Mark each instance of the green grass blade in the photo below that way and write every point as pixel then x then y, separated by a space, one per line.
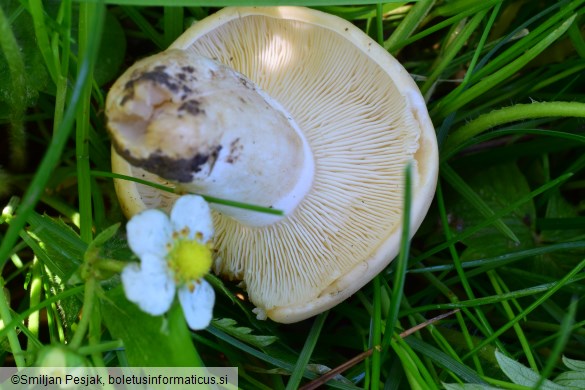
pixel 480 45
pixel 401 262
pixel 464 281
pixel 173 24
pixel 210 199
pixel 38 15
pixel 305 355
pixel 134 14
pixel 89 41
pixel 415 370
pixel 468 11
pixel 408 25
pixel 484 68
pixel 491 81
pixel 500 289
pixel 438 357
pixel 459 37
pixel 560 343
pixel 577 39
pixel 512 131
pixel 376 334
pixel 492 262
pixel 556 286
pixel 571 284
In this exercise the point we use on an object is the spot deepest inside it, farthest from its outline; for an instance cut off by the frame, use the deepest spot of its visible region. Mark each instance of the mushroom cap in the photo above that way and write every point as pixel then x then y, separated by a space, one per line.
pixel 364 119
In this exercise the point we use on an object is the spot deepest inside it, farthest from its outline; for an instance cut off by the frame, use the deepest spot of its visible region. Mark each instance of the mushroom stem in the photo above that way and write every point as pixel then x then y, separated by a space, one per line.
pixel 210 130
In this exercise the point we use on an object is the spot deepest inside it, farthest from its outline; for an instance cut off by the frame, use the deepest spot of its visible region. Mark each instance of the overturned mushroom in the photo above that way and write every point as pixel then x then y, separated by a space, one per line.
pixel 288 108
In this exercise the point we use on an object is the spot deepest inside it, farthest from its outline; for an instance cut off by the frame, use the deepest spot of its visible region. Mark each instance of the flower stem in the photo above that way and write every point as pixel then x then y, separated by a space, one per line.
pixel 94 336
pixel 98 348
pixel 178 326
pixel 88 303
pixel 11 335
pixel 511 114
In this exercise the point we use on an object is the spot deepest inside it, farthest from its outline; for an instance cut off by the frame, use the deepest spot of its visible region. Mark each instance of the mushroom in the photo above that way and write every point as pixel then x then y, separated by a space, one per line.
pixel 283 107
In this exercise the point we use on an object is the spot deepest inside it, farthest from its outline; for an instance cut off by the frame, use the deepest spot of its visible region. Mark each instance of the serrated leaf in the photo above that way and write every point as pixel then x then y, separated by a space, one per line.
pixel 63 248
pixel 571 379
pixel 95 249
pixel 575 365
pixel 230 327
pixel 522 375
pixel 104 236
pixel 575 378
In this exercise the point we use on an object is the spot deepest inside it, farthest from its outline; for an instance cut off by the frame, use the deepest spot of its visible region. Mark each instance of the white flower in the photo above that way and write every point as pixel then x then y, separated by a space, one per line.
pixel 175 255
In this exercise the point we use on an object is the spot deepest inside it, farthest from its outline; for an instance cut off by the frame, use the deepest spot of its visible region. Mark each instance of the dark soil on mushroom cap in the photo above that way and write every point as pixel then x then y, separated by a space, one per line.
pixel 179 170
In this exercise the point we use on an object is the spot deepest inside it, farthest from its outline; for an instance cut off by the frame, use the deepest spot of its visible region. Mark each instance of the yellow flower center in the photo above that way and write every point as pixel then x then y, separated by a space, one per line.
pixel 190 260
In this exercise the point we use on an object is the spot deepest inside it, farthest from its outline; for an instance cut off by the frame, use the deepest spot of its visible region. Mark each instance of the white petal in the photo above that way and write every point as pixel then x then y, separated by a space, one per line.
pixel 197 305
pixel 193 212
pixel 149 232
pixel 151 286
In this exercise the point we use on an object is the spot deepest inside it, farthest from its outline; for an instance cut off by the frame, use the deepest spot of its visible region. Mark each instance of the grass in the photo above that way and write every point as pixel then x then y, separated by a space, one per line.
pixel 503 244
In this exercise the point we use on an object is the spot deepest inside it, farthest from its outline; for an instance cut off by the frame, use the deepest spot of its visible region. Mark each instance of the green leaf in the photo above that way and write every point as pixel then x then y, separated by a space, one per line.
pixel 522 375
pixel 96 249
pixel 575 365
pixel 63 247
pixel 104 236
pixel 58 269
pixel 497 186
pixel 241 333
pixel 149 341
pixel 472 197
pixel 571 379
pixel 575 378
